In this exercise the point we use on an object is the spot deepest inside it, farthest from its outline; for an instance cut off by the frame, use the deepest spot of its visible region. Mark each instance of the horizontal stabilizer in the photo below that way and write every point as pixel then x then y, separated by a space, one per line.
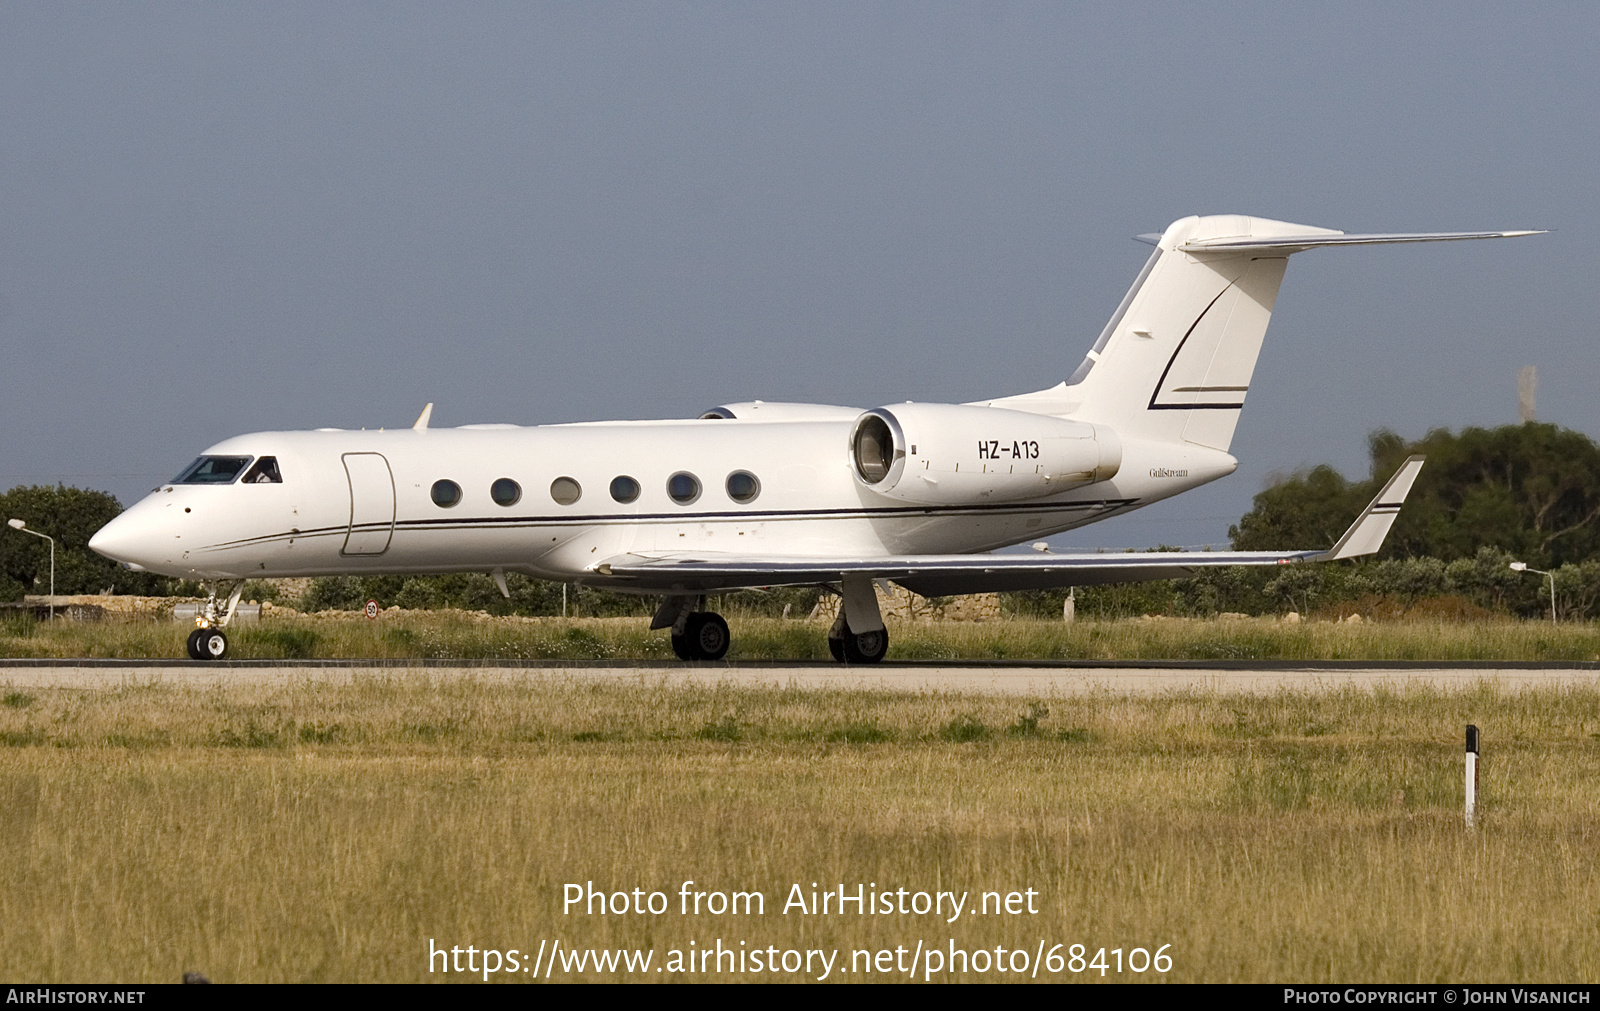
pixel 1366 534
pixel 1296 243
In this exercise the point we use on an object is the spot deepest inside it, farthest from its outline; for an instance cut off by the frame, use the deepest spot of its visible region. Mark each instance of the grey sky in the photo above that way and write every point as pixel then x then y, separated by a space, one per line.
pixel 224 218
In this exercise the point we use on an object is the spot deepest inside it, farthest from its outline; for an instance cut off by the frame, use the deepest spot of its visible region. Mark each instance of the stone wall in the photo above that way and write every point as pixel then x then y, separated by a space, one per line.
pixel 900 604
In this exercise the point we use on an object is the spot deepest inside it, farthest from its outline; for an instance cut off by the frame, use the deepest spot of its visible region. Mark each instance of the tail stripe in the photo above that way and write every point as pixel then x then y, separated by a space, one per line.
pixel 1178 351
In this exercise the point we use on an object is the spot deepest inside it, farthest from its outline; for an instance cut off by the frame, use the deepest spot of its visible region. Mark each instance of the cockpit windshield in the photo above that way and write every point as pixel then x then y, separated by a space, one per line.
pixel 212 470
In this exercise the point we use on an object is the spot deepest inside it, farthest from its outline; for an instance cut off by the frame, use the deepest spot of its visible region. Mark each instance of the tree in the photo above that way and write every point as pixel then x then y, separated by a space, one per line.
pixel 1532 490
pixel 71 516
pixel 1305 510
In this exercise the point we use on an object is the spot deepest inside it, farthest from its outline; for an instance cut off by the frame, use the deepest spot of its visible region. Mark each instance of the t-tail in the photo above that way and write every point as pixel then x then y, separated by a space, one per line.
pixel 1174 364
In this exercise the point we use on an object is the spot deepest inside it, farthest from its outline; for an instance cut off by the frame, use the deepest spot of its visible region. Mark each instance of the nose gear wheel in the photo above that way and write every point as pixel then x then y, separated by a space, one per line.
pixel 207 644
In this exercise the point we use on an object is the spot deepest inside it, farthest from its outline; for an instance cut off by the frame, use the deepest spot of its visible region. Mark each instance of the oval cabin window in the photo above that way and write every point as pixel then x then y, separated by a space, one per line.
pixel 743 486
pixel 565 491
pixel 624 489
pixel 505 492
pixel 683 488
pixel 445 493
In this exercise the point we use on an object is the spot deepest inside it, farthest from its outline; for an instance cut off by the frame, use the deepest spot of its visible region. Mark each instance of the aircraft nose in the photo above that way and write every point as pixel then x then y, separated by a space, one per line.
pixel 125 539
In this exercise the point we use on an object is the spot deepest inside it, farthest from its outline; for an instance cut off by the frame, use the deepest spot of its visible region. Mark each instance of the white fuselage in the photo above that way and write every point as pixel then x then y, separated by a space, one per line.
pixel 763 494
pixel 359 502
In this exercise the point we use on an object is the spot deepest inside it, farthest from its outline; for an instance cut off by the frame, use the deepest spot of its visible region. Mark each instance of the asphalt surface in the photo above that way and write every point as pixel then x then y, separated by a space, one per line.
pixel 1004 678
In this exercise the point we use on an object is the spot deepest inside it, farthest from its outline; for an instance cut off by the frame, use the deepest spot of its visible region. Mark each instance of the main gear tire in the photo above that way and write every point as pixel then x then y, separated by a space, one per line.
pixel 865 647
pixel 705 637
pixel 708 636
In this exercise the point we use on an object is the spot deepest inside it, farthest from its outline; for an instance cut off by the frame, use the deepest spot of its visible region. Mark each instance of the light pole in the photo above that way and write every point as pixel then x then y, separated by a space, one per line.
pixel 19 525
pixel 1523 567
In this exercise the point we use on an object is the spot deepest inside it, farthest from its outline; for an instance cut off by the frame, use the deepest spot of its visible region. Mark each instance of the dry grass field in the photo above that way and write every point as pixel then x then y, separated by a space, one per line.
pixel 468 635
pixel 328 832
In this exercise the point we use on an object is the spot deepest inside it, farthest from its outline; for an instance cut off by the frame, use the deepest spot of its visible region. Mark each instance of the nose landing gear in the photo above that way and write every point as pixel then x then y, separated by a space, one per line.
pixel 207 642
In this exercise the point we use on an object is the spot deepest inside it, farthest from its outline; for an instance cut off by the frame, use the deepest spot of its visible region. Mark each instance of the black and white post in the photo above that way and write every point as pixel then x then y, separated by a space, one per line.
pixel 1472 773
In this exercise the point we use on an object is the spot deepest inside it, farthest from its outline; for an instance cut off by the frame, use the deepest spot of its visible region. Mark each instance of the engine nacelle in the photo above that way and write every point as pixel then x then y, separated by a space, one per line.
pixel 950 454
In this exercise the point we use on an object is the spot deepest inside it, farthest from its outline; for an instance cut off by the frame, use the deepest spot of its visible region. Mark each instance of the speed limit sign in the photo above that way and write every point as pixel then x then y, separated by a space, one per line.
pixel 372 609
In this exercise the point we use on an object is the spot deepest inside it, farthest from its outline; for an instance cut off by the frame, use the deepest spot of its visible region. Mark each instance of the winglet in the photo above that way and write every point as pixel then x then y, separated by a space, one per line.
pixel 1366 534
pixel 423 418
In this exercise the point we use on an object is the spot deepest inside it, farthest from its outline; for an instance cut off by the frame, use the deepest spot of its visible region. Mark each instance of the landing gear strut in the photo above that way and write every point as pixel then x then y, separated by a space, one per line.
pixel 207 641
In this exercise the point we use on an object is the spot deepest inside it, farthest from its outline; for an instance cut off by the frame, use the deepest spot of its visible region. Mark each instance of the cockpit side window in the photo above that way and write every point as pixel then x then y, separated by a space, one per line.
pixel 213 470
pixel 264 472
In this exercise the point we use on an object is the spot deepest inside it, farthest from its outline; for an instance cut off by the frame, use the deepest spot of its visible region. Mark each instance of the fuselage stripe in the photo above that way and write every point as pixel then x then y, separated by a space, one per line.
pixel 534 522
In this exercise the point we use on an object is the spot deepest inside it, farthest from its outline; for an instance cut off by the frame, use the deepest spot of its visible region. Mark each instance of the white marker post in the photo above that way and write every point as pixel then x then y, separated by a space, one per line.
pixel 1472 773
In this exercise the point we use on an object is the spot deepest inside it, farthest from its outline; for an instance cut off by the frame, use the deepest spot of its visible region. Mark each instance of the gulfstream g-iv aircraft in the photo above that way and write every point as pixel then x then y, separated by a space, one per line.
pixel 768 494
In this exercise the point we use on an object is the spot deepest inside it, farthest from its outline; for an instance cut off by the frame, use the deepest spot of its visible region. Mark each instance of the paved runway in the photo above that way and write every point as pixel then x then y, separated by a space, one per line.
pixel 1000 679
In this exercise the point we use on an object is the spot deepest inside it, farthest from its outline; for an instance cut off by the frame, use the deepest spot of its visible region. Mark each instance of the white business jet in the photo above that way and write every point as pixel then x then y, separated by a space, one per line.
pixel 770 494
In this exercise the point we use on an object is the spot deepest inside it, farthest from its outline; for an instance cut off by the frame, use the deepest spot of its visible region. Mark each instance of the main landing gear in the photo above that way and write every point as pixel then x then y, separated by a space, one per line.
pixel 207 641
pixel 705 637
pixel 698 634
pixel 857 647
pixel 858 635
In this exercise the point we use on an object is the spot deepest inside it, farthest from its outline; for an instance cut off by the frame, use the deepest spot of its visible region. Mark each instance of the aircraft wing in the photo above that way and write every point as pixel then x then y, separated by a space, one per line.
pixel 948 575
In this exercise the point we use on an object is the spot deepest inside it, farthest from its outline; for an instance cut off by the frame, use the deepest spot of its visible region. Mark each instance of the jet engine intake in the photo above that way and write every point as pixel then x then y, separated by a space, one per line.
pixel 948 454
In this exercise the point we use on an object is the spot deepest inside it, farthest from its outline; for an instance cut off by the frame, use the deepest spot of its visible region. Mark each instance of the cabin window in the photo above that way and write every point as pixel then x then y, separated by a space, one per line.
pixel 264 472
pixel 743 486
pixel 683 488
pixel 505 492
pixel 212 470
pixel 445 493
pixel 624 489
pixel 565 491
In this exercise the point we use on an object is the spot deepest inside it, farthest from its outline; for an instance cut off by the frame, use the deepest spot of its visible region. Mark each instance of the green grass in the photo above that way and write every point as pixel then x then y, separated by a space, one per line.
pixel 327 832
pixel 459 635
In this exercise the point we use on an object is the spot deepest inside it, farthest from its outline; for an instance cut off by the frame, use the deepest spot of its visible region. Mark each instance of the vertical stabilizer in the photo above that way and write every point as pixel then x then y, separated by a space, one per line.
pixel 1175 362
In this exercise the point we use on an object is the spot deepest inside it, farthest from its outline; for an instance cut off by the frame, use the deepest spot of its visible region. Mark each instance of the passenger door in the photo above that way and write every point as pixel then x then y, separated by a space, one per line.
pixel 371 504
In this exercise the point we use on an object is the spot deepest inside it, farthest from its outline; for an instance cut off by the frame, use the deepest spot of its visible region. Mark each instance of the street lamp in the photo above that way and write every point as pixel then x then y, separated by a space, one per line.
pixel 1523 567
pixel 19 525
